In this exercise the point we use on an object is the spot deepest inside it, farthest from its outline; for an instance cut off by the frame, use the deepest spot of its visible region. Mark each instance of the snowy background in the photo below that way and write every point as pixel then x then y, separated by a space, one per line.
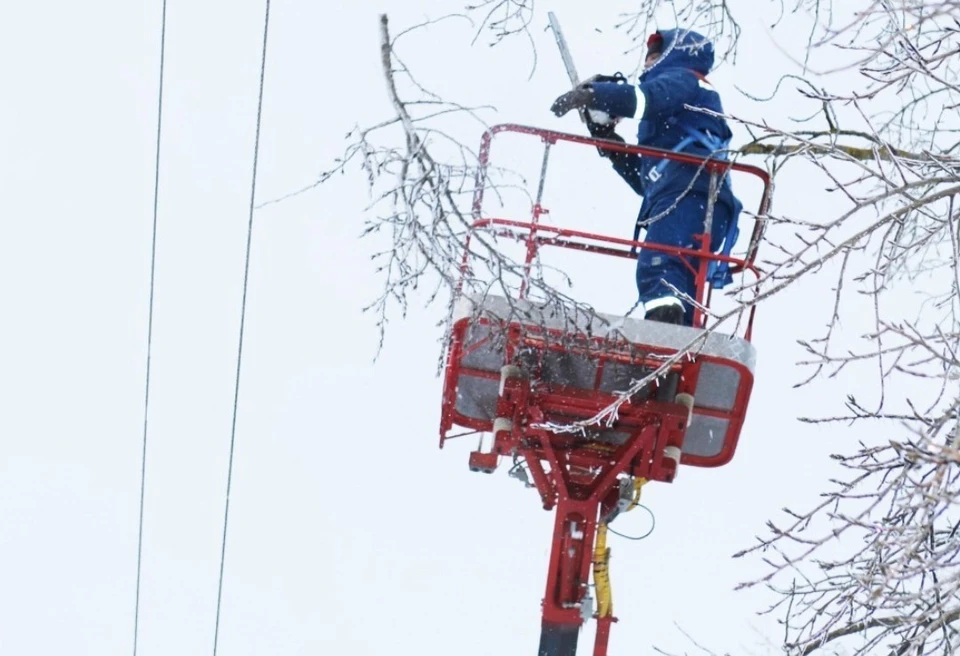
pixel 350 532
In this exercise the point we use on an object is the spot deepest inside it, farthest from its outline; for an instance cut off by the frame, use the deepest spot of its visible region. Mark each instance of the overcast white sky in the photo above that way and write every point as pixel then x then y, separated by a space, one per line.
pixel 350 532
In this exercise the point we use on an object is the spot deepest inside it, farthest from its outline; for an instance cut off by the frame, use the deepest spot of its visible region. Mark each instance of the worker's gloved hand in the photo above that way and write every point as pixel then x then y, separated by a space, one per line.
pixel 578 98
pixel 600 130
pixel 606 131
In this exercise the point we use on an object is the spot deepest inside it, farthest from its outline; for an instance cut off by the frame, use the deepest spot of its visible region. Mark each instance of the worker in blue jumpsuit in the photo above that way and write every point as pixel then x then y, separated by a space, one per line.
pixel 674 194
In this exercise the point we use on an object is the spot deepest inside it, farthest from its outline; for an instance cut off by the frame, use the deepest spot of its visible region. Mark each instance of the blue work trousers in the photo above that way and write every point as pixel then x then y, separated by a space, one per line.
pixel 677 228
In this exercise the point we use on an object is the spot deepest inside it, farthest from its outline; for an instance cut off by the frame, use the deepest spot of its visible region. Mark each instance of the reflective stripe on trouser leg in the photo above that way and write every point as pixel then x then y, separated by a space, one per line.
pixel 660 274
pixel 662 302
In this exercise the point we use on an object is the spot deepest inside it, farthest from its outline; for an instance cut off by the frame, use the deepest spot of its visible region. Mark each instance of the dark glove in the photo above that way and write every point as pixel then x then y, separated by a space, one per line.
pixel 578 98
pixel 602 130
pixel 606 131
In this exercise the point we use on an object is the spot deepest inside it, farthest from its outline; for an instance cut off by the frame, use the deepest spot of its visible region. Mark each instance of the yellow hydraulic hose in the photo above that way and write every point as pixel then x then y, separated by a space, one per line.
pixel 601 558
pixel 638 484
pixel 601 573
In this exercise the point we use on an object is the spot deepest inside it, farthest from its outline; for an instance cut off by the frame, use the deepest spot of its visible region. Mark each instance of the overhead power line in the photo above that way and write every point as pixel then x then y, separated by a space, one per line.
pixel 243 312
pixel 153 268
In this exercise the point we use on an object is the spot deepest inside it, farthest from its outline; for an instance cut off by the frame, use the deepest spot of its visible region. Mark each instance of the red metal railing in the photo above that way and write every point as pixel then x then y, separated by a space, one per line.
pixel 604 244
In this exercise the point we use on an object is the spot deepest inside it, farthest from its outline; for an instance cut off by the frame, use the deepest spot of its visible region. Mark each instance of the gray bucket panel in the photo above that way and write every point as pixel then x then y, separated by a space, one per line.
pixel 618 376
pixel 705 436
pixel 488 356
pixel 717 386
pixel 477 397
pixel 569 369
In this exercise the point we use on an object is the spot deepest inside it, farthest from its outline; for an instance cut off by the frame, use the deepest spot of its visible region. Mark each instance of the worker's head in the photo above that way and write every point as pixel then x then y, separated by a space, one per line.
pixel 678 48
pixel 654 49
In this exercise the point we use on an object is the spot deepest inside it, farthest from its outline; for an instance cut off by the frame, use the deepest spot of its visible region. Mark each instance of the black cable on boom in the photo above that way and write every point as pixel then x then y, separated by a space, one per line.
pixel 243 312
pixel 153 268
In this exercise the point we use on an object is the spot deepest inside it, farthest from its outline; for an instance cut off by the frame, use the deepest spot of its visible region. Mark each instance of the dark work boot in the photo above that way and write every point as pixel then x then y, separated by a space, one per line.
pixel 669 313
